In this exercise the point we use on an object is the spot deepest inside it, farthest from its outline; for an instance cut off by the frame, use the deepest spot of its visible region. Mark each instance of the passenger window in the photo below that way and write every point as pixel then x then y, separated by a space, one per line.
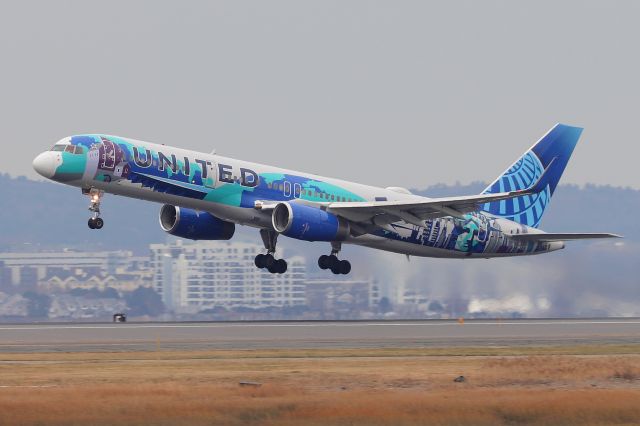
pixel 333 197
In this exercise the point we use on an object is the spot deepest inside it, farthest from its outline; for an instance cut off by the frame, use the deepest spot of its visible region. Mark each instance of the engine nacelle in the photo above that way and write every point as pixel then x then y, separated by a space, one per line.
pixel 308 223
pixel 194 225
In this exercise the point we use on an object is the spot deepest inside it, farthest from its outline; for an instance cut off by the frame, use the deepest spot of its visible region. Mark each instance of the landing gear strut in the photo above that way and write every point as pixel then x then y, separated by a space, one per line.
pixel 268 261
pixel 332 262
pixel 95 195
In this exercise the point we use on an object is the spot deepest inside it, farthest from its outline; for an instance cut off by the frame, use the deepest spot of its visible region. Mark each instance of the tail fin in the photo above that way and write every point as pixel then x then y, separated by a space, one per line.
pixel 555 147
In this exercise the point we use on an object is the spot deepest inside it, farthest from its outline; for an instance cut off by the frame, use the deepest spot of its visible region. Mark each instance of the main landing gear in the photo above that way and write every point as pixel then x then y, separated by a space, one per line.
pixel 268 261
pixel 95 222
pixel 332 262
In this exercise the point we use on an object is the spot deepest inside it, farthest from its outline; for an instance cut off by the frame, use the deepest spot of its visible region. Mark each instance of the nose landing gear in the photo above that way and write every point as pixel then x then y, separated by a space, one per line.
pixel 96 223
pixel 332 262
pixel 95 195
pixel 268 261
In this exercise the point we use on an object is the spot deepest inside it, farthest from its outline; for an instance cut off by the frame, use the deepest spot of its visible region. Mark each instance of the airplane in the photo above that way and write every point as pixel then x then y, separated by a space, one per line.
pixel 205 196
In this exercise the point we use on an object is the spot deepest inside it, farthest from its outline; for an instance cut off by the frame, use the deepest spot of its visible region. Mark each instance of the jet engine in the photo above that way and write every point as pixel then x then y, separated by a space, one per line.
pixel 194 225
pixel 308 223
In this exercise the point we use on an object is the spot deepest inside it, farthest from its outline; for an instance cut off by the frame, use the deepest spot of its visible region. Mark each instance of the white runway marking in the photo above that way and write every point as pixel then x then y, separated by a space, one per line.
pixel 314 325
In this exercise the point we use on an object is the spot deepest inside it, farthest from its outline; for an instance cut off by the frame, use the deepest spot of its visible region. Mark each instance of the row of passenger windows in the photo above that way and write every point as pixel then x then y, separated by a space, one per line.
pixel 298 191
pixel 72 149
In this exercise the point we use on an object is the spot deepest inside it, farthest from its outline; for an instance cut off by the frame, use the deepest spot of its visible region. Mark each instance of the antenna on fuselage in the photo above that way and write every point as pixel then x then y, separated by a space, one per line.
pixel 213 152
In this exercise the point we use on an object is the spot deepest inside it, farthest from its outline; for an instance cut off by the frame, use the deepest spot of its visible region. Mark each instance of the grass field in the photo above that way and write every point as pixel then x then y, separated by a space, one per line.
pixel 589 385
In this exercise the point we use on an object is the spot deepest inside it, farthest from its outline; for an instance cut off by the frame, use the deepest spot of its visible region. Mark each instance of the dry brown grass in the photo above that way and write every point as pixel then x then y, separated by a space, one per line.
pixel 274 405
pixel 565 369
pixel 381 388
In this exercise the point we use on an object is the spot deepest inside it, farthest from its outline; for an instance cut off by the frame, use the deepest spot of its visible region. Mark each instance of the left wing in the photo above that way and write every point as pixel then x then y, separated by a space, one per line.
pixel 417 211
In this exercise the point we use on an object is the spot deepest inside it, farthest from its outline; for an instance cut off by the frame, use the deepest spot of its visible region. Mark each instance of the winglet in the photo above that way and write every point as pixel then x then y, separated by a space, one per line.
pixel 543 180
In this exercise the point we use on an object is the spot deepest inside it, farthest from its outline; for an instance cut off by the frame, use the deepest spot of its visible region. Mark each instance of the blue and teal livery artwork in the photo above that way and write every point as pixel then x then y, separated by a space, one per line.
pixel 206 195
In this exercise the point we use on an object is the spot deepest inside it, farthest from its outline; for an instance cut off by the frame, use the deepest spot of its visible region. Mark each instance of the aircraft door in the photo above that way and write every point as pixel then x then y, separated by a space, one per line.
pixel 212 175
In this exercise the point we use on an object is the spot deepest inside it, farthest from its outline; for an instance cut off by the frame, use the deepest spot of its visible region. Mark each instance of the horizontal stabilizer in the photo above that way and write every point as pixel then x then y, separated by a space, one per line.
pixel 544 237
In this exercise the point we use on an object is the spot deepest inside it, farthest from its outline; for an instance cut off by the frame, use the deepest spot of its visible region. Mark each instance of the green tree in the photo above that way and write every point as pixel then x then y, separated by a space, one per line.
pixel 144 301
pixel 384 305
pixel 436 306
pixel 38 304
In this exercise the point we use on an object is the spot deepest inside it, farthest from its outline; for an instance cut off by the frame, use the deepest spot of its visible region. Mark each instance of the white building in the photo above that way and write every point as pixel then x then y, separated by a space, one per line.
pixel 192 276
pixel 29 268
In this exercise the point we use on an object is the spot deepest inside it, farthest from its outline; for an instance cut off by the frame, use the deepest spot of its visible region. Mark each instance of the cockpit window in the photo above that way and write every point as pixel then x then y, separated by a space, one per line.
pixel 71 149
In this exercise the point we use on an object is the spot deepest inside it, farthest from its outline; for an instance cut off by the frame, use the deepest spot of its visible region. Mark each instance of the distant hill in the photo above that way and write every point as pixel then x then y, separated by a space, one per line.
pixel 591 208
pixel 588 278
pixel 45 214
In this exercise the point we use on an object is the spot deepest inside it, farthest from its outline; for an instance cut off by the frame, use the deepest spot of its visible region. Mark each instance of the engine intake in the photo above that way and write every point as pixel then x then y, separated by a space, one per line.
pixel 194 225
pixel 308 223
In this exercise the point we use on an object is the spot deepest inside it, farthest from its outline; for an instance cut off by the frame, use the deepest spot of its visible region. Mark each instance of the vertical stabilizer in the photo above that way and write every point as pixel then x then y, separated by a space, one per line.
pixel 555 147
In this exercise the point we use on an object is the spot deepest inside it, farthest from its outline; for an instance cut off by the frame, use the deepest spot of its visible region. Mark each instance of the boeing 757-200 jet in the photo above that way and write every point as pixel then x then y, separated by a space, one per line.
pixel 206 195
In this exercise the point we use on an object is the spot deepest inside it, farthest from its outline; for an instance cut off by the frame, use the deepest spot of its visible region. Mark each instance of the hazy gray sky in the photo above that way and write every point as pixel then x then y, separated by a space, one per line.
pixel 387 93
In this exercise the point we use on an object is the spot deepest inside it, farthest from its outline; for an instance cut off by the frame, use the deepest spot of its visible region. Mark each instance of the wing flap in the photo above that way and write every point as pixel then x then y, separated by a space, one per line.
pixel 566 236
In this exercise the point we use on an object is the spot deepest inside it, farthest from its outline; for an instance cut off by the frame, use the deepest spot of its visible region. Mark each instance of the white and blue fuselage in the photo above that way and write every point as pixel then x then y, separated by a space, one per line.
pixel 309 207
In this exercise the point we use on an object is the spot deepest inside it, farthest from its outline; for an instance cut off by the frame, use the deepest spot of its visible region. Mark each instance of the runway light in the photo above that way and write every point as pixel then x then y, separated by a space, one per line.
pixel 461 320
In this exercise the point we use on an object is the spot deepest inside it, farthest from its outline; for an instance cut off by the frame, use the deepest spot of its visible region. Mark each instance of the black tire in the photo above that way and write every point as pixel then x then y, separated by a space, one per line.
pixel 345 267
pixel 259 261
pixel 92 224
pixel 99 223
pixel 269 261
pixel 323 261
pixel 335 268
pixel 281 266
pixel 332 261
pixel 273 268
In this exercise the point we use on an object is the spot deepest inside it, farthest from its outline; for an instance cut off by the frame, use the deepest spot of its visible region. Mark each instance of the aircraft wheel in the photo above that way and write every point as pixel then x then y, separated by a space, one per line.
pixel 345 267
pixel 99 223
pixel 268 261
pixel 281 266
pixel 92 224
pixel 323 261
pixel 259 261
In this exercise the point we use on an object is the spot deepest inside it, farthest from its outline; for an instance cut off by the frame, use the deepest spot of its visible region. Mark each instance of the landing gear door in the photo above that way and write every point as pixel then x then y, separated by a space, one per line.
pixel 211 176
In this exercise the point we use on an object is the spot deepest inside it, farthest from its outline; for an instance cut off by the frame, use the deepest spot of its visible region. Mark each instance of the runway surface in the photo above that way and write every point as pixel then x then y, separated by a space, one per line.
pixel 357 334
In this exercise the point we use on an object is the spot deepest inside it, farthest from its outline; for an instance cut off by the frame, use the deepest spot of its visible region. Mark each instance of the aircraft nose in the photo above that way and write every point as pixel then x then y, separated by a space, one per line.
pixel 45 164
